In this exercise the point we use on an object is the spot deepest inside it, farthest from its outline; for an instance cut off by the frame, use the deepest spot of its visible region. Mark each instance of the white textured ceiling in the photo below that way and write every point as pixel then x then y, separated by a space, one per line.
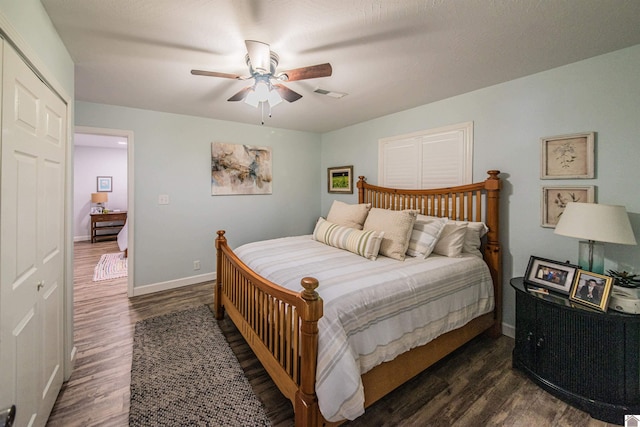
pixel 388 55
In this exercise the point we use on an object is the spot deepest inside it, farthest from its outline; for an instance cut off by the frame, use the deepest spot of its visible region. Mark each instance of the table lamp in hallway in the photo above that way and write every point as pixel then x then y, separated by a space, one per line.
pixel 98 202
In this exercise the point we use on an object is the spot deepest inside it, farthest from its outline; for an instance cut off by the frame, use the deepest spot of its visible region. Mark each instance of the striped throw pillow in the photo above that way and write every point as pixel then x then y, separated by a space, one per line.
pixel 424 236
pixel 360 242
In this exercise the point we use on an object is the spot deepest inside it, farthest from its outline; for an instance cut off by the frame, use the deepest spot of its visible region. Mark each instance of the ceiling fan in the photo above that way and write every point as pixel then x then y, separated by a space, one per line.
pixel 267 88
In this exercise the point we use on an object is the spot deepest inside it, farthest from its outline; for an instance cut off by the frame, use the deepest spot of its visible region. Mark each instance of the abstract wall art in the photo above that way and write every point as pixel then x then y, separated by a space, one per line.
pixel 240 169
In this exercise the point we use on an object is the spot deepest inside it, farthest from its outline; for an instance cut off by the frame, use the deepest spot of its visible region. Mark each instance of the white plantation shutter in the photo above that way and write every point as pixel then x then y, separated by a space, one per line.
pixel 402 160
pixel 433 158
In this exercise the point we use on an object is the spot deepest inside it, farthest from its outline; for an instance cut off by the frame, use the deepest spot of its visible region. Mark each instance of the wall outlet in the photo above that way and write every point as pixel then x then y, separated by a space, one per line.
pixel 163 199
pixel 196 265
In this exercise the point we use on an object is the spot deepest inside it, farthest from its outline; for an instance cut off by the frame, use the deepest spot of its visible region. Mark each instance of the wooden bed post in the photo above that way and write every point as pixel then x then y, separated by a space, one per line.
pixel 307 412
pixel 493 251
pixel 217 294
pixel 360 185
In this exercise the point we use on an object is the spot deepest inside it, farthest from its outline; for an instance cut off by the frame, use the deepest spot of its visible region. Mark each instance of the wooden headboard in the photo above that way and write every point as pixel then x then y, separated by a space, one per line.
pixel 478 202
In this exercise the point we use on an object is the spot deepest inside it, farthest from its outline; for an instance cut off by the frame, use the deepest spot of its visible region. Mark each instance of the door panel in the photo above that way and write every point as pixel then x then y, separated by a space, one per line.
pixel 32 186
pixel 26 343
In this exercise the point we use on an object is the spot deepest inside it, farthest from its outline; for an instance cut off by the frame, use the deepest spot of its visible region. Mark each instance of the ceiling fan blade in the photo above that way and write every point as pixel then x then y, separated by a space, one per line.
pixel 241 95
pixel 311 72
pixel 286 93
pixel 216 74
pixel 259 55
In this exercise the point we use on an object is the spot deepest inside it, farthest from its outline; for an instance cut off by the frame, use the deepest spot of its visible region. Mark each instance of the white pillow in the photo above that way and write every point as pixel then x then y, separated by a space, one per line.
pixel 472 242
pixel 397 227
pixel 451 239
pixel 360 242
pixel 348 215
pixel 425 235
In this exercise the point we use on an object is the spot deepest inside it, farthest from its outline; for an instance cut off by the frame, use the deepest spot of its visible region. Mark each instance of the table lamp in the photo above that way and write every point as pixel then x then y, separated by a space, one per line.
pixel 595 223
pixel 99 199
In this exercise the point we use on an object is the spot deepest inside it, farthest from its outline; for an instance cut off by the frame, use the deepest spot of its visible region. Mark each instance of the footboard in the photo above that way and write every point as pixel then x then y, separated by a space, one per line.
pixel 280 326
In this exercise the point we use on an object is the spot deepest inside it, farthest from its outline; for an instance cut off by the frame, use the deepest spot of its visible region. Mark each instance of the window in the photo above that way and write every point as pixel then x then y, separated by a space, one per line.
pixel 432 158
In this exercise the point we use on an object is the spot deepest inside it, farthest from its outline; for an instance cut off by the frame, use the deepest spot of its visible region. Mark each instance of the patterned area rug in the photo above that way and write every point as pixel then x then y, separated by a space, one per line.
pixel 184 373
pixel 110 266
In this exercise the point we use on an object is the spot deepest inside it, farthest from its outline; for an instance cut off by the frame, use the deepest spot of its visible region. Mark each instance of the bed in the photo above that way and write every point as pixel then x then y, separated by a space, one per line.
pixel 287 330
pixel 123 239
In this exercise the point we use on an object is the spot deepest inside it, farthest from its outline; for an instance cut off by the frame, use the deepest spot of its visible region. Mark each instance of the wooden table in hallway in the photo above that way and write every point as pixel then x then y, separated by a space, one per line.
pixel 103 227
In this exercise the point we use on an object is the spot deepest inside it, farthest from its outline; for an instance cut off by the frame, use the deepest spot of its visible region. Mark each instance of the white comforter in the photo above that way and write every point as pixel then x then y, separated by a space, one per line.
pixel 373 310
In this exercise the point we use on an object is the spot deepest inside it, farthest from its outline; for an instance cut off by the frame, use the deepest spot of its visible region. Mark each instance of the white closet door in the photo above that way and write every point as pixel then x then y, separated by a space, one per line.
pixel 32 184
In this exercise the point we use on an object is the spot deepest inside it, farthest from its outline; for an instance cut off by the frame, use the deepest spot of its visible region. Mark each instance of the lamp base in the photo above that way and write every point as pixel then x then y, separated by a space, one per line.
pixel 591 256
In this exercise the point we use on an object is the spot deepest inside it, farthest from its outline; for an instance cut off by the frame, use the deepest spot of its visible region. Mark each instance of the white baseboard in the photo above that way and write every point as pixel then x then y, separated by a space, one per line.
pixel 81 238
pixel 509 330
pixel 173 284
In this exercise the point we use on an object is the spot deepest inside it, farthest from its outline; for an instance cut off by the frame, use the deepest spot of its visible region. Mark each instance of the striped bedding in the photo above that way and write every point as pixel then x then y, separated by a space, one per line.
pixel 373 310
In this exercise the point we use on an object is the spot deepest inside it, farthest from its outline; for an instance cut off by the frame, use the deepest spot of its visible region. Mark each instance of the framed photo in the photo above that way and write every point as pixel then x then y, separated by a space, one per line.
pixel 568 156
pixel 555 199
pixel 592 290
pixel 104 184
pixel 552 275
pixel 340 179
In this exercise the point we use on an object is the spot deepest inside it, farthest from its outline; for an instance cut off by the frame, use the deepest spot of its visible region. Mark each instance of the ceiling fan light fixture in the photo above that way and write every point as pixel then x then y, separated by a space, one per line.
pixel 252 99
pixel 261 89
pixel 274 98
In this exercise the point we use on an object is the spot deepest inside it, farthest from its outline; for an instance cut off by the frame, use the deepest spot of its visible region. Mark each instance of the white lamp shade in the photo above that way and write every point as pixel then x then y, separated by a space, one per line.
pixel 262 91
pixel 274 98
pixel 252 99
pixel 592 221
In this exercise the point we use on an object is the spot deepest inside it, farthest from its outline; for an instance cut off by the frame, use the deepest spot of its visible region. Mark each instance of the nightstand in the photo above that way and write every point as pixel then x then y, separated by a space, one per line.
pixel 589 359
pixel 106 226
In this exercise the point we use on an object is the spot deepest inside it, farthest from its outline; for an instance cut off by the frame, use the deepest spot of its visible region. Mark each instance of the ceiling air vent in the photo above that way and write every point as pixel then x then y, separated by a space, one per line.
pixel 336 95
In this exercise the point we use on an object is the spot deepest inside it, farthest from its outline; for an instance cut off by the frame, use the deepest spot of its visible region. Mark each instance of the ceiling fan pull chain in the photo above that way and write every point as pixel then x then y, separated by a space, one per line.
pixel 262 109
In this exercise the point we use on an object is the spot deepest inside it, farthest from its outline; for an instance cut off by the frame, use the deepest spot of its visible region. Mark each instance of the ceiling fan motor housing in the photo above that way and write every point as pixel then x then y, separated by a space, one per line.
pixel 274 58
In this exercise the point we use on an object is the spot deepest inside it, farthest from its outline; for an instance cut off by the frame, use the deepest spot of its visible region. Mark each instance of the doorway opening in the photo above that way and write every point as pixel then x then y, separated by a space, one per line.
pixel 103 168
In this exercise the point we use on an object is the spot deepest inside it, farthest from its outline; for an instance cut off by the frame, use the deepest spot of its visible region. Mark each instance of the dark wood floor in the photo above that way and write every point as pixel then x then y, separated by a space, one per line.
pixel 473 387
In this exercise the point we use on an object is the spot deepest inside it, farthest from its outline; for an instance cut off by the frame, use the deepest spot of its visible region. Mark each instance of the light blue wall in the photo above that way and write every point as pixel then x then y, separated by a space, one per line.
pixel 172 155
pixel 601 94
pixel 29 19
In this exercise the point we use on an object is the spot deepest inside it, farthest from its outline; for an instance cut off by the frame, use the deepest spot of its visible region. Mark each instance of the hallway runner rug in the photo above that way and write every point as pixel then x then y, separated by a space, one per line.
pixel 184 373
pixel 110 266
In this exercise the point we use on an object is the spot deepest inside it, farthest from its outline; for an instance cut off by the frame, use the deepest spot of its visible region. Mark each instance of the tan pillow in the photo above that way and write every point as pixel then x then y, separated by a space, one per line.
pixel 397 227
pixel 348 215
pixel 360 242
pixel 451 239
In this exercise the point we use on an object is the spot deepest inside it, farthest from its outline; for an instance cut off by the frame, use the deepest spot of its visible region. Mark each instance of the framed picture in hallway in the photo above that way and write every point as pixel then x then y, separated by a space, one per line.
pixel 105 184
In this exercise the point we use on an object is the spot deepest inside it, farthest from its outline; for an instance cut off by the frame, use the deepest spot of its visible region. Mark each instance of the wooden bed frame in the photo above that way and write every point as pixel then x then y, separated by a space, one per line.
pixel 281 326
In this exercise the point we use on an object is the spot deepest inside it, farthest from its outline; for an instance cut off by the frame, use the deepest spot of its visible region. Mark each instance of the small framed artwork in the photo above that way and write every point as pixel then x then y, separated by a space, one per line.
pixel 555 199
pixel 568 156
pixel 340 179
pixel 104 184
pixel 552 275
pixel 592 290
